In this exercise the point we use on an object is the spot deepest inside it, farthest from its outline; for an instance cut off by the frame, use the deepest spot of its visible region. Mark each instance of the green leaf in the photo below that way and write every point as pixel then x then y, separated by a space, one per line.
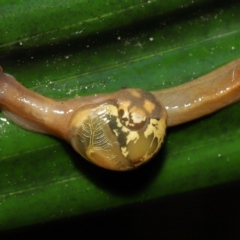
pixel 42 178
pixel 30 23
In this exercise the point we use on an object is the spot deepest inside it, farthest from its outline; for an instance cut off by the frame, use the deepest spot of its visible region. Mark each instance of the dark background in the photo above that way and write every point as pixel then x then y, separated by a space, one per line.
pixel 211 213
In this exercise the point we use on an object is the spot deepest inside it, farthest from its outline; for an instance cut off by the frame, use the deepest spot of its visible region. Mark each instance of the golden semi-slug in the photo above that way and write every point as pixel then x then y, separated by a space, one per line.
pixel 122 130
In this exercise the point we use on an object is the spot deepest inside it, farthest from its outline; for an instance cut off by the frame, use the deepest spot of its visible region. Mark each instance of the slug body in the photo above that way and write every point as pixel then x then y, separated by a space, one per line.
pixel 118 131
pixel 122 130
pixel 202 96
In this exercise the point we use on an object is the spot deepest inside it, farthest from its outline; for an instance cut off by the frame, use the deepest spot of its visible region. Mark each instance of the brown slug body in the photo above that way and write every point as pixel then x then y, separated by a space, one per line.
pixel 202 96
pixel 122 130
pixel 117 131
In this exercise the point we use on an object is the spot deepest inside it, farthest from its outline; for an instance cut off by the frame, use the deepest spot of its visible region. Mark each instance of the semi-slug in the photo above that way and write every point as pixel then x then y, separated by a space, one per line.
pixel 122 130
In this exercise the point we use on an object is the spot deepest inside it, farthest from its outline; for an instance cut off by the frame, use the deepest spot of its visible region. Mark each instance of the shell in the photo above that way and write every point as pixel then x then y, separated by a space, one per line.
pixel 120 134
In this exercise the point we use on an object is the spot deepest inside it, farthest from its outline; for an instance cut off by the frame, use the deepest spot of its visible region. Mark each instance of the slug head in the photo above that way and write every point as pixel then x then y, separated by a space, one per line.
pixel 120 133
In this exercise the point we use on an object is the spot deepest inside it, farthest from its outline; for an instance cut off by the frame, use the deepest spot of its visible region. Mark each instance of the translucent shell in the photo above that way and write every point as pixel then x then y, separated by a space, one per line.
pixel 120 135
pixel 121 130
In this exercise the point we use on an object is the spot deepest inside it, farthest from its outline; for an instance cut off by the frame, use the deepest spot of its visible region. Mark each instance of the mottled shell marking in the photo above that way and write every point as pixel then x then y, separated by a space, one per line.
pixel 120 130
pixel 119 136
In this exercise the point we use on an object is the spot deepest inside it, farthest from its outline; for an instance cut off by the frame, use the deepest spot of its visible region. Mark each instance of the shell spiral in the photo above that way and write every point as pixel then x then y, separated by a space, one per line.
pixel 120 133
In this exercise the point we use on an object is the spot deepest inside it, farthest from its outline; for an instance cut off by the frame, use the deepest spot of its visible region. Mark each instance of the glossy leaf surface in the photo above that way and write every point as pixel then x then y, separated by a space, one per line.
pixel 42 178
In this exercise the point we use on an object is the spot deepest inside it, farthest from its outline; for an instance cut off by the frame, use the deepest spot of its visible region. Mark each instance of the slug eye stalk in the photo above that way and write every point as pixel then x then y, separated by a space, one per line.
pixel 122 130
